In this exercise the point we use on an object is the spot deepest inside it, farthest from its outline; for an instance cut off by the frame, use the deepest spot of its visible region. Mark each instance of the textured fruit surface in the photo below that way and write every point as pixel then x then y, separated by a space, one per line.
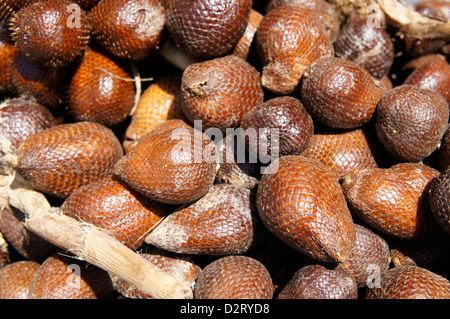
pixel 219 223
pixel 115 208
pixel 243 47
pixel 286 115
pixel 191 23
pixel 288 40
pixel 341 150
pixel 366 45
pixel 129 29
pixel 369 258
pixel 44 22
pixel 440 199
pixel 15 279
pixel 179 266
pixel 8 6
pixel 174 167
pixel 7 53
pixel 21 118
pixel 160 102
pixel 410 282
pixel 433 74
pixel 339 93
pixel 411 121
pixel 220 91
pixel 64 277
pixel 100 90
pixel 234 277
pixel 444 151
pixel 60 159
pixel 393 200
pixel 319 282
pixel 300 200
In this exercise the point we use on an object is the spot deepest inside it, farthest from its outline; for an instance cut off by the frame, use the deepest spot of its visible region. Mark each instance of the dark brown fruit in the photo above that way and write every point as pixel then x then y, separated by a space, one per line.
pixel 289 39
pixel 7 53
pixel 339 93
pixel 440 199
pixel 444 151
pixel 176 166
pixel 365 44
pixel 15 279
pixel 9 6
pixel 158 103
pixel 220 91
pixel 393 200
pixel 62 158
pixel 438 9
pixel 21 118
pixel 287 118
pixel 100 91
pixel 129 29
pixel 310 4
pixel 369 258
pixel 86 4
pixel 300 200
pixel 219 223
pixel 243 47
pixel 234 277
pixel 207 28
pixel 180 266
pixel 411 121
pixel 65 277
pixel 24 241
pixel 46 85
pixel 410 282
pixel 320 282
pixel 342 150
pixel 114 207
pixel 432 74
pixel 59 22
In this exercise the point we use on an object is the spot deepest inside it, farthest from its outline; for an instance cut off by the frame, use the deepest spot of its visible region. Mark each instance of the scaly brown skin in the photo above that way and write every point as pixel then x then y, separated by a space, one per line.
pixel 15 279
pixel 234 277
pixel 100 90
pixel 207 29
pixel 301 201
pixel 32 32
pixel 129 29
pixel 440 199
pixel 410 282
pixel 411 121
pixel 61 159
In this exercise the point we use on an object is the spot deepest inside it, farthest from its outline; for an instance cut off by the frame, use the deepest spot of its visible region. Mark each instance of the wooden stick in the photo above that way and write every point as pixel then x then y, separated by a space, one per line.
pixel 88 242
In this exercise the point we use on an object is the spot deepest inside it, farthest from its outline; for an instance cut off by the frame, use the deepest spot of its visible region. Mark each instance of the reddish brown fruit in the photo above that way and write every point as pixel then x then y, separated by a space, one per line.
pixel 7 53
pixel 191 24
pixel 440 199
pixel 21 118
pixel 410 282
pixel 59 22
pixel 129 29
pixel 180 266
pixel 369 258
pixel 15 279
pixel 46 85
pixel 444 151
pixel 60 159
pixel 288 40
pixel 285 115
pixel 24 241
pixel 300 200
pixel 65 277
pixel 86 4
pixel 411 121
pixel 9 6
pixel 220 91
pixel 341 150
pixel 219 223
pixel 112 206
pixel 366 45
pixel 243 47
pixel 339 93
pixel 393 200
pixel 432 74
pixel 100 91
pixel 175 167
pixel 320 282
pixel 234 277
pixel 160 102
